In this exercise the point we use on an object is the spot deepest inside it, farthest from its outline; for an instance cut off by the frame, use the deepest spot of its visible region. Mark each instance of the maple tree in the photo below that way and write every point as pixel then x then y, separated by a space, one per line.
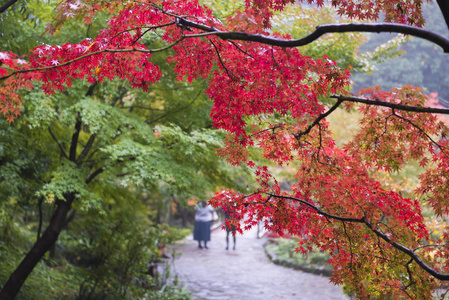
pixel 267 94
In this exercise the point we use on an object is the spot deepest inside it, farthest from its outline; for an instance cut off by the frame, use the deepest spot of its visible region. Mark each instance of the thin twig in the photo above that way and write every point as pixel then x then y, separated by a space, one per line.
pixel 442 148
pixel 222 64
pixel 142 27
pixel 317 120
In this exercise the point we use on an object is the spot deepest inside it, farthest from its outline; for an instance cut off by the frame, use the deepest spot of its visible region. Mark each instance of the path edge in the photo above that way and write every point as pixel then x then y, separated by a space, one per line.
pixel 288 264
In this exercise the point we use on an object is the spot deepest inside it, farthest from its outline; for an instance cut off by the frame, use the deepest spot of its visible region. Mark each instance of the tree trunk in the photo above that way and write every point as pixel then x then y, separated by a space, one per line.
pixel 42 245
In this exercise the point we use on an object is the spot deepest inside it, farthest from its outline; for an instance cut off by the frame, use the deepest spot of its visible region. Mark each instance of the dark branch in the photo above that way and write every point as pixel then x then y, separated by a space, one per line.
pixel 78 124
pixel 273 128
pixel 86 149
pixel 101 169
pixel 407 266
pixel 322 30
pixel 7 5
pixel 39 227
pixel 240 49
pixel 243 36
pixel 122 174
pixel 69 218
pixel 350 246
pixel 444 7
pixel 74 144
pixel 141 107
pixel 317 120
pixel 318 210
pixel 94 174
pixel 418 109
pixel 142 27
pixel 174 111
pixel 222 63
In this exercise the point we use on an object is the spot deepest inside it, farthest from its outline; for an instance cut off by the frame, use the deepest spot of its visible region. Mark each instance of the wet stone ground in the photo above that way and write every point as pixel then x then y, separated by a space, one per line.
pixel 245 273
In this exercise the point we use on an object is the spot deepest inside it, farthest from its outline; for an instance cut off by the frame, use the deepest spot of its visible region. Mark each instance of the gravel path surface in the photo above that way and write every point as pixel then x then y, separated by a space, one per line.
pixel 245 273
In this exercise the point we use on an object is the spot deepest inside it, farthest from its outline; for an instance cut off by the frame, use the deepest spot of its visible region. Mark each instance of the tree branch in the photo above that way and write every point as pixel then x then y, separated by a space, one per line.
pixel 409 274
pixel 7 5
pixel 380 234
pixel 317 120
pixel 78 124
pixel 143 27
pixel 318 210
pixel 75 135
pixel 243 36
pixel 230 75
pixel 66 63
pixel 39 227
pixel 444 7
pixel 175 110
pixel 319 31
pixel 141 107
pixel 94 174
pixel 101 169
pixel 442 148
pixel 86 148
pixel 418 109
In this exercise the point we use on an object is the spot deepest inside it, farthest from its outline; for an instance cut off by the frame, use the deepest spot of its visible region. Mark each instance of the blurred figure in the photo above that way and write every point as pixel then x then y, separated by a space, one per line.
pixel 230 228
pixel 203 218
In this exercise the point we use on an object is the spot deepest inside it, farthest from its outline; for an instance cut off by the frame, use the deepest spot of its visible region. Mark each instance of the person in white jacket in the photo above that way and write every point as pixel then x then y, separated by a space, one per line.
pixel 203 219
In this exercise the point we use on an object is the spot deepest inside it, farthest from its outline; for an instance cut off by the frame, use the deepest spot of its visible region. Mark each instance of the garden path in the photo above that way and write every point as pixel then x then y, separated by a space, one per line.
pixel 246 273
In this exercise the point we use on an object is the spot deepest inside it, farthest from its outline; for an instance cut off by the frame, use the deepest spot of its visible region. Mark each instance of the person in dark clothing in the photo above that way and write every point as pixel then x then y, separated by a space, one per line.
pixel 203 219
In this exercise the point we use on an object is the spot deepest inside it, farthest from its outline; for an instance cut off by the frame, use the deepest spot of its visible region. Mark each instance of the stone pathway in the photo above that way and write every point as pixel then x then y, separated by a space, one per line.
pixel 246 273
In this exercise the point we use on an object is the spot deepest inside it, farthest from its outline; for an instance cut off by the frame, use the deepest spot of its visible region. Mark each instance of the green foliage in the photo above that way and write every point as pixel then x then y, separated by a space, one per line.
pixel 68 178
pixel 106 250
pixel 20 171
pixel 23 26
pixel 144 148
pixel 15 239
pixel 342 48
pixel 98 255
pixel 223 8
pixel 116 248
pixel 20 23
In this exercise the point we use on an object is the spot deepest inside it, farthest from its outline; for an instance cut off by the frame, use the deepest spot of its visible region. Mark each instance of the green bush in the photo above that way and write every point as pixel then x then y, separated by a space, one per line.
pixel 284 249
pixel 101 255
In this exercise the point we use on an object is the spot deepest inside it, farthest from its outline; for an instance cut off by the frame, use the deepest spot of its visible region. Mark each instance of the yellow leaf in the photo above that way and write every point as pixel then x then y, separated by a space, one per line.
pixel 89 46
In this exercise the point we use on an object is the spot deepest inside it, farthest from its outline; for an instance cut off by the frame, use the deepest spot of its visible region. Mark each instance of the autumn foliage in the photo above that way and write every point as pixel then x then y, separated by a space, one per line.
pixel 266 94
